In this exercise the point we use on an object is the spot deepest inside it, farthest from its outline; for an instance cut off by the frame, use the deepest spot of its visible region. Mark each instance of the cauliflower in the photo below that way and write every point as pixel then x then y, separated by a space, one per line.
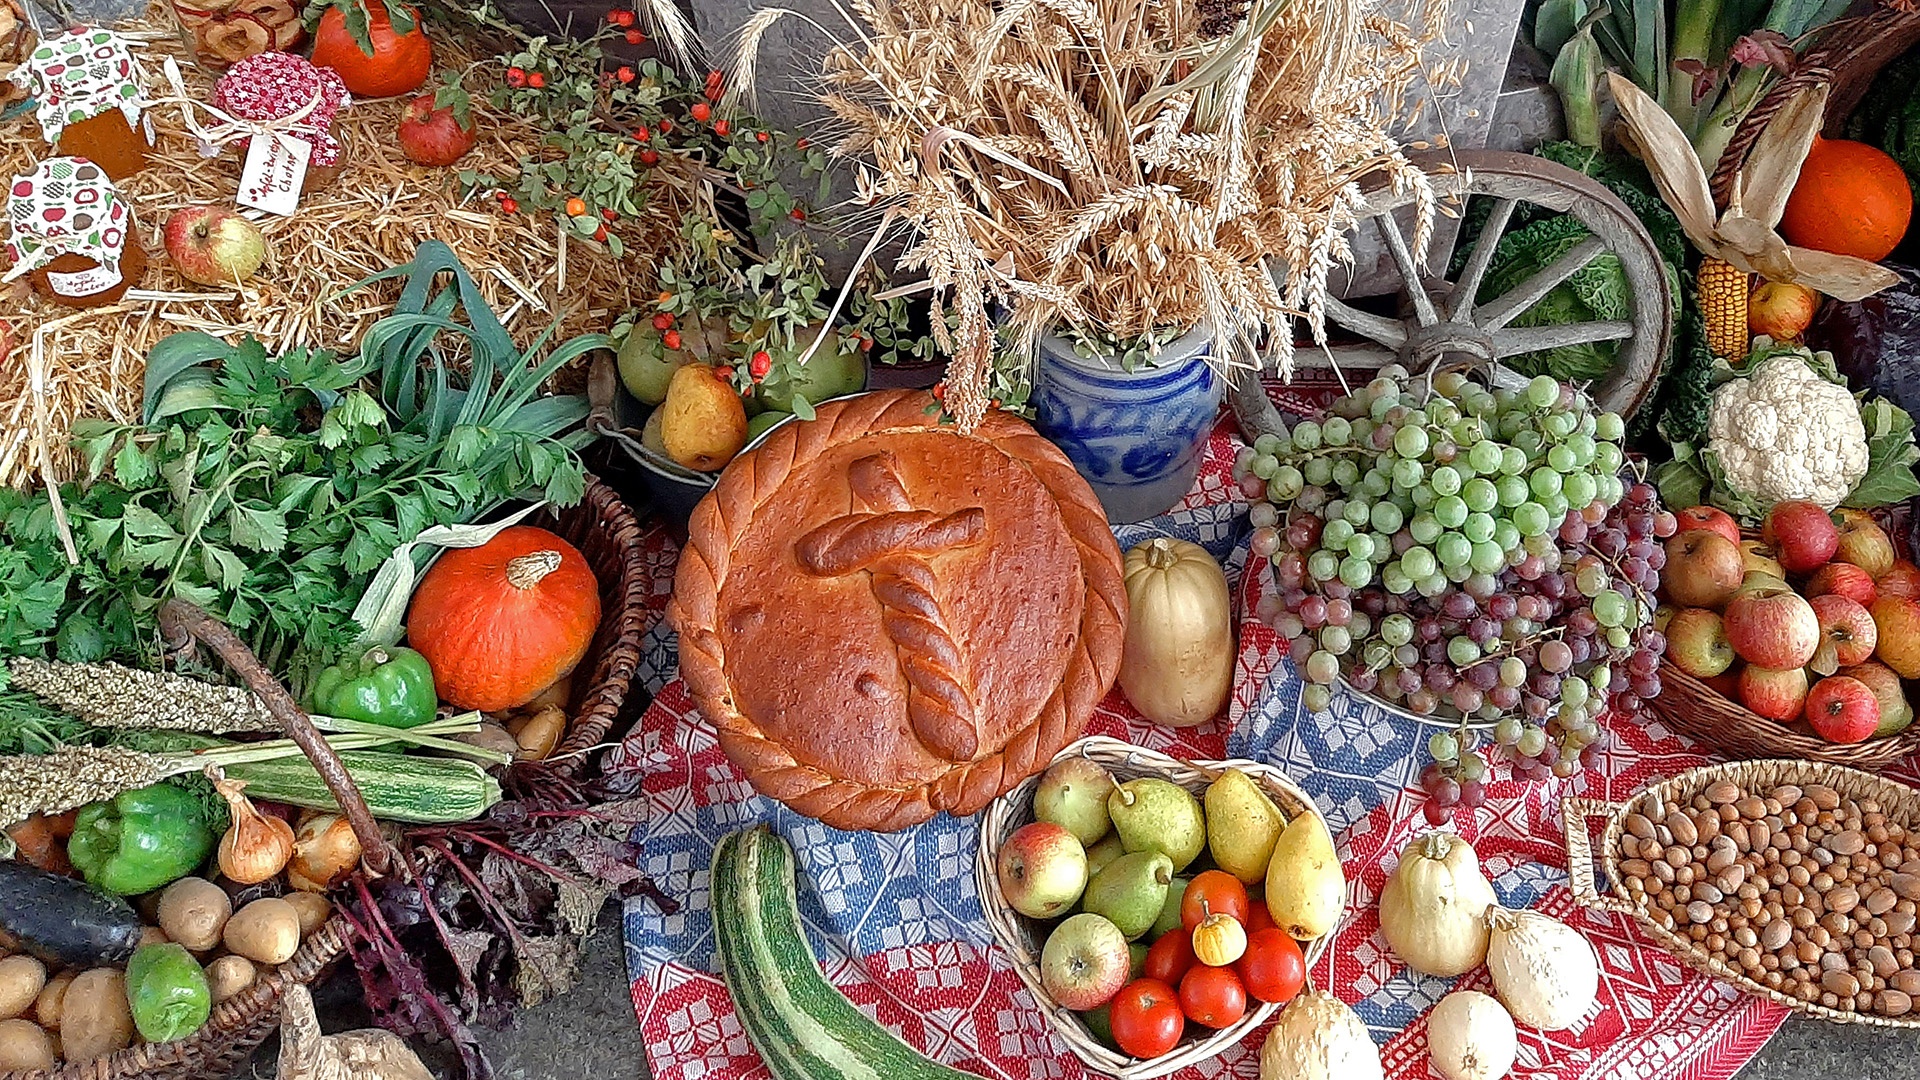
pixel 1784 432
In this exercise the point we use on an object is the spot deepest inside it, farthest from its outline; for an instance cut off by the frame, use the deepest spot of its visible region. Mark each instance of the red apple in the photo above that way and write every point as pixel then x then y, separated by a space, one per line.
pixel 1843 710
pixel 1727 684
pixel 1773 627
pixel 211 245
pixel 1863 542
pixel 1697 643
pixel 1703 569
pixel 1895 711
pixel 430 136
pixel 1801 534
pixel 1708 517
pixel 1842 579
pixel 1774 693
pixel 1902 581
pixel 1897 620
pixel 1759 559
pixel 1847 633
pixel 1085 962
pixel 1042 869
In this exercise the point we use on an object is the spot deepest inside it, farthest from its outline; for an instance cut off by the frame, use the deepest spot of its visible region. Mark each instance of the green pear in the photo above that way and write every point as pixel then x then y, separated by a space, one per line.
pixel 1170 911
pixel 646 365
pixel 1130 891
pixel 1306 889
pixel 1151 814
pixel 1242 826
pixel 761 424
pixel 1137 952
pixel 1104 852
pixel 1073 795
pixel 1100 1022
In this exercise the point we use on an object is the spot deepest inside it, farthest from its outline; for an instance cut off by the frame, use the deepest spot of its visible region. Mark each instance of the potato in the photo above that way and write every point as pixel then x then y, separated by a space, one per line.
pixel 490 737
pixel 94 1018
pixel 229 975
pixel 153 935
pixel 193 911
pixel 538 733
pixel 46 1007
pixel 313 909
pixel 24 1045
pixel 21 980
pixel 266 931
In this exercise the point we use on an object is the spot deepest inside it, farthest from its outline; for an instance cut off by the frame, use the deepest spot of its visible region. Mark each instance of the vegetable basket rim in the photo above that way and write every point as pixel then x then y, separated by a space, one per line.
pixel 1018 937
pixel 1896 799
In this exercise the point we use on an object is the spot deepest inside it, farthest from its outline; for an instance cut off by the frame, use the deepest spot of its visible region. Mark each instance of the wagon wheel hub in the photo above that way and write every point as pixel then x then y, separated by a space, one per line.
pixel 1446 342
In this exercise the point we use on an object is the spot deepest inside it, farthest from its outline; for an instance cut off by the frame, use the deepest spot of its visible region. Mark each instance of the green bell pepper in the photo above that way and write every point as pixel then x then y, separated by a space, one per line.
pixel 140 840
pixel 392 687
pixel 167 993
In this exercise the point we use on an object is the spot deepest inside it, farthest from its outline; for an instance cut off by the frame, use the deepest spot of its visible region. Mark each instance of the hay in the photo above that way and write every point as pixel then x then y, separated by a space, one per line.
pixel 372 218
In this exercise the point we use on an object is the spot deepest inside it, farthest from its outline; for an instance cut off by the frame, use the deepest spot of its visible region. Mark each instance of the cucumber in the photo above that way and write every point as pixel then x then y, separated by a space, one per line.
pixel 804 1028
pixel 396 787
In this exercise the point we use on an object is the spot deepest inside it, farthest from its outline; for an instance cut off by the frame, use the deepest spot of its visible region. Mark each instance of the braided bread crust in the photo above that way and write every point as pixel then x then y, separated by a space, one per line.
pixel 889 530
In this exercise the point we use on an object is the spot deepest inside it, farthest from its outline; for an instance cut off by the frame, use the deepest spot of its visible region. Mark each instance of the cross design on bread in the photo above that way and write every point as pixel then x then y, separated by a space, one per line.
pixel 892 543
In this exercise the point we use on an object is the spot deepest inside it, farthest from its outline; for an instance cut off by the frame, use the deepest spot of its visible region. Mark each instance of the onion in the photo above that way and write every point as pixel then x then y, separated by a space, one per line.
pixel 325 852
pixel 256 846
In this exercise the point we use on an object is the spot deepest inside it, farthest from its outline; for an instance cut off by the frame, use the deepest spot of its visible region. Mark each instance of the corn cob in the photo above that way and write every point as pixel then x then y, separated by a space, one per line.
pixel 1722 291
pixel 111 695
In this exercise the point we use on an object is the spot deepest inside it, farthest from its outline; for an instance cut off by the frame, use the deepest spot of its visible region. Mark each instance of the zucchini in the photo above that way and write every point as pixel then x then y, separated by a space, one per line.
pixel 396 787
pixel 804 1028
pixel 63 921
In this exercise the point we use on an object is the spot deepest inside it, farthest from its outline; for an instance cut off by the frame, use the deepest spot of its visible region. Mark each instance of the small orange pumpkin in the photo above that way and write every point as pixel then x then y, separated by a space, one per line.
pixel 501 622
pixel 1851 199
pixel 399 63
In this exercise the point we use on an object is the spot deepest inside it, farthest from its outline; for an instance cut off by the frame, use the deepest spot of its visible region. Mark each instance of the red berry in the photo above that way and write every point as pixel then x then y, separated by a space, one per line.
pixel 760 365
pixel 715 77
pixel 701 111
pixel 671 338
pixel 635 37
pixel 620 17
pixel 536 80
pixel 797 214
pixel 714 93
pixel 801 144
pixel 641 133
pixel 721 128
pixel 663 322
pixel 600 233
pixel 665 125
pixel 940 390
pixel 648 157
pixel 516 77
pixel 509 206
pixel 609 214
pixel 625 74
pixel 762 136
pixel 725 373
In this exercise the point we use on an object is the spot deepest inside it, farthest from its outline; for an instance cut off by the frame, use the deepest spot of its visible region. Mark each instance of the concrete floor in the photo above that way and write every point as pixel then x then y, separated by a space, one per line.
pixel 589 1034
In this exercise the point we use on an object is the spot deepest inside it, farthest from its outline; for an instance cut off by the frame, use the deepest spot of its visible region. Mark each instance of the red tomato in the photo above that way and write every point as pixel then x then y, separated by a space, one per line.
pixel 1258 916
pixel 1170 956
pixel 1146 1018
pixel 1213 996
pixel 1273 968
pixel 1215 892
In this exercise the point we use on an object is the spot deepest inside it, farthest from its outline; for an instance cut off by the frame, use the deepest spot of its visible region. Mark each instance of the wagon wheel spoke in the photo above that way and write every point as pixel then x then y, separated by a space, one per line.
pixel 1423 309
pixel 1460 303
pixel 1348 358
pixel 1525 339
pixel 1497 313
pixel 1389 332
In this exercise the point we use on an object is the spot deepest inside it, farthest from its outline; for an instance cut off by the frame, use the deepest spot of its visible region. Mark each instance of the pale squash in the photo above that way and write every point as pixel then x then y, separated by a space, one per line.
pixel 1177 668
pixel 1433 910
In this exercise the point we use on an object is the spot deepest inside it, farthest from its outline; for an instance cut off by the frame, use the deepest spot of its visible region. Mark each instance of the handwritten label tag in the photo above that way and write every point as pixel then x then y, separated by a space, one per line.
pixel 275 168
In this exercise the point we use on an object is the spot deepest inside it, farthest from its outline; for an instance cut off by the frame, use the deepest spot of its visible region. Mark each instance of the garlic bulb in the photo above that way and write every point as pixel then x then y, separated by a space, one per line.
pixel 1433 910
pixel 1546 973
pixel 256 845
pixel 1470 1037
pixel 1318 1038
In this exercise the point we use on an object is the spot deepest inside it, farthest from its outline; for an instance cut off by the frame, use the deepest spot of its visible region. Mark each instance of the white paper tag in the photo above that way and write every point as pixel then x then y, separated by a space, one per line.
pixel 81 283
pixel 276 166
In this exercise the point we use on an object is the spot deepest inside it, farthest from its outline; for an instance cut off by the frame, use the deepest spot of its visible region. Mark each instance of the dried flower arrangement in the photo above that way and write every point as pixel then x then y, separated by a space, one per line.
pixel 1122 168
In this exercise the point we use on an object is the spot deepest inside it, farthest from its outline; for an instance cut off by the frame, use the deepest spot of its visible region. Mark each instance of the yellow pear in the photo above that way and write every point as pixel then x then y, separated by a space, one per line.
pixel 1306 889
pixel 1242 825
pixel 703 424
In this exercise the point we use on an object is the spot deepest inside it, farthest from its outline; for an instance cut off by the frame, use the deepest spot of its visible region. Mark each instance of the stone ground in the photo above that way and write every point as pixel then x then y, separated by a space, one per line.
pixel 590 1034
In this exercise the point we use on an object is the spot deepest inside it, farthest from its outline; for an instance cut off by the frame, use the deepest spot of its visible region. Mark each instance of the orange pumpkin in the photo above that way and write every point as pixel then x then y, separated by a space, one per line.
pixel 501 622
pixel 1851 199
pixel 399 63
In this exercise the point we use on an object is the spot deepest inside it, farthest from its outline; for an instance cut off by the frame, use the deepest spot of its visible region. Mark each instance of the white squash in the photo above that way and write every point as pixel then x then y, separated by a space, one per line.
pixel 1433 910
pixel 1177 668
pixel 1318 1038
pixel 1470 1037
pixel 1546 973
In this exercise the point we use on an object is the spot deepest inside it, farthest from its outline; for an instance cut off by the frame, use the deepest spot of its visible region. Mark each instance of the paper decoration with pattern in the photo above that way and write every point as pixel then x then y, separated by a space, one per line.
pixel 66 206
pixel 79 75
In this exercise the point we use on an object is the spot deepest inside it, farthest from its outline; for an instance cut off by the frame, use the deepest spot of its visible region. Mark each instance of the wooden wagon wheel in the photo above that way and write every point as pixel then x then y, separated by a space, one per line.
pixel 1440 321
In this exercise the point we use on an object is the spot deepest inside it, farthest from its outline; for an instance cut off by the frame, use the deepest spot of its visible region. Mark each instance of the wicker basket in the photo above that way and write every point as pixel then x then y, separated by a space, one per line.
pixel 1022 937
pixel 1691 706
pixel 1849 54
pixel 1897 801
pixel 606 531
